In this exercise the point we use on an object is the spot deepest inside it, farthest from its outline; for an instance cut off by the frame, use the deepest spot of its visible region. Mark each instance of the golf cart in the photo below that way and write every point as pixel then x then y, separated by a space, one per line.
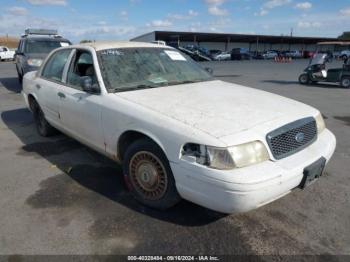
pixel 316 71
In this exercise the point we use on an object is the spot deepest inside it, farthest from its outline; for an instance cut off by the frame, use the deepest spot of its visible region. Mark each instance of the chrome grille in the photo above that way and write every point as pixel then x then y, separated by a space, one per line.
pixel 292 137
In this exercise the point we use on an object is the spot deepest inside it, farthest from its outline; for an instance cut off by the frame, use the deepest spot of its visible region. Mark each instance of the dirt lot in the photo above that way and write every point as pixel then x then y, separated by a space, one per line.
pixel 10 42
pixel 59 197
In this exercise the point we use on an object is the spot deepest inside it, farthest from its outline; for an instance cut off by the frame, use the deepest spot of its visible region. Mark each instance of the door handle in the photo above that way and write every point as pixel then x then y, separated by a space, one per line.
pixel 38 86
pixel 61 95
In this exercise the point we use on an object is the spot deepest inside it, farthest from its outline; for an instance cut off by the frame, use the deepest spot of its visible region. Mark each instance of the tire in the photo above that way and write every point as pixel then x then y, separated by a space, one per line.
pixel 304 79
pixel 345 82
pixel 20 77
pixel 43 127
pixel 148 175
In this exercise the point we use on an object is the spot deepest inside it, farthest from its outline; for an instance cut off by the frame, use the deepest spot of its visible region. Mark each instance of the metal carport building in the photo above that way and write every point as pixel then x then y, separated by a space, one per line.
pixel 225 42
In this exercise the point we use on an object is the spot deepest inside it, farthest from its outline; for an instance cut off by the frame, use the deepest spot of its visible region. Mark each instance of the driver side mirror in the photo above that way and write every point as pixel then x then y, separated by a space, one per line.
pixel 17 52
pixel 87 85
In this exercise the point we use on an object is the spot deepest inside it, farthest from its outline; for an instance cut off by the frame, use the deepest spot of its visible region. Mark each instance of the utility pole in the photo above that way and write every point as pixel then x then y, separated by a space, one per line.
pixel 291 32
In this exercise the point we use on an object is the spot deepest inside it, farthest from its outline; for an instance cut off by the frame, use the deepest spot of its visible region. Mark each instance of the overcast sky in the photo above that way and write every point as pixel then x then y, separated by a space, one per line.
pixel 124 19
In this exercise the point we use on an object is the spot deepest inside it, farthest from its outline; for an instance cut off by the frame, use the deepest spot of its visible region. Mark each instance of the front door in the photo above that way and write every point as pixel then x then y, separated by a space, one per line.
pixel 80 111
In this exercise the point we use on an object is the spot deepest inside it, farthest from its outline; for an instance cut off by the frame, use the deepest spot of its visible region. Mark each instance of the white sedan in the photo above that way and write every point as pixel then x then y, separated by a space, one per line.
pixel 269 55
pixel 224 56
pixel 178 132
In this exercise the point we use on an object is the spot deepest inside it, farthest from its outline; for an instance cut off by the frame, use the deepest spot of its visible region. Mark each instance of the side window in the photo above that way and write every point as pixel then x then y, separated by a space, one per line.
pixel 81 66
pixel 53 69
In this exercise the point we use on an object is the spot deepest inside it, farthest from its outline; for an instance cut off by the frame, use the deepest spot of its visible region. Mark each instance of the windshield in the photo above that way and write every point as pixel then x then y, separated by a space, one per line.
pixel 318 59
pixel 43 46
pixel 137 68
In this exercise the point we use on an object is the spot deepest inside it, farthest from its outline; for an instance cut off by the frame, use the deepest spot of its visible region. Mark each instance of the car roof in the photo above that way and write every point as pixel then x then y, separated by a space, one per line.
pixel 102 45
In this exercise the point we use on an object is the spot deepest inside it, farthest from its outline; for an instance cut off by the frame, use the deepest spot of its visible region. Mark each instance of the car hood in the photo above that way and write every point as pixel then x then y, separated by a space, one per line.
pixel 216 107
pixel 36 56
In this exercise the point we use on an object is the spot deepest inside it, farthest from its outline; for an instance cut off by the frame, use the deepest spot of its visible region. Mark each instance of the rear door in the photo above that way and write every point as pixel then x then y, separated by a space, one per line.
pixel 49 82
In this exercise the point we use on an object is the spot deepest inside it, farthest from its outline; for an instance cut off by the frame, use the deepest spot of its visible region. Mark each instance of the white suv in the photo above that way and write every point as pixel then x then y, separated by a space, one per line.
pixel 177 131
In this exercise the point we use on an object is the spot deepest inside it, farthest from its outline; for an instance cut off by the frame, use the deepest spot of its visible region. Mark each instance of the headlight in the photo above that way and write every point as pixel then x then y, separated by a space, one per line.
pixel 227 158
pixel 249 153
pixel 320 123
pixel 34 62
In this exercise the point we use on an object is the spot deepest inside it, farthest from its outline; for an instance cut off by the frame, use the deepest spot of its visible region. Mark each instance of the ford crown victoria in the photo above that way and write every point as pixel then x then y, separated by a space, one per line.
pixel 177 131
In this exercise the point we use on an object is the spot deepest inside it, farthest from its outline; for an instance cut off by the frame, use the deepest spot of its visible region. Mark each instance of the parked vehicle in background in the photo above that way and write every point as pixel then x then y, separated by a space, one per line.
pixel 193 52
pixel 213 53
pixel 33 48
pixel 294 54
pixel 345 54
pixel 6 53
pixel 256 55
pixel 308 54
pixel 224 56
pixel 240 54
pixel 222 148
pixel 317 72
pixel 269 54
pixel 199 49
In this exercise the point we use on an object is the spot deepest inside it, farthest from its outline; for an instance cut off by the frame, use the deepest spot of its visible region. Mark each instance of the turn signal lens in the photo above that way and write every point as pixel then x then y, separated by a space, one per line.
pixel 320 123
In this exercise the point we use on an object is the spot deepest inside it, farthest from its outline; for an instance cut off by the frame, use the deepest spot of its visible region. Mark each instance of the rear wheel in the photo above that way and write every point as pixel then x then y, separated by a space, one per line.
pixel 304 79
pixel 345 82
pixel 149 176
pixel 43 127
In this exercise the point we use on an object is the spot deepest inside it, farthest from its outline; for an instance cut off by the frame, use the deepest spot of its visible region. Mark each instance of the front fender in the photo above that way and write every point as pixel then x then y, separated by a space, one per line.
pixel 143 131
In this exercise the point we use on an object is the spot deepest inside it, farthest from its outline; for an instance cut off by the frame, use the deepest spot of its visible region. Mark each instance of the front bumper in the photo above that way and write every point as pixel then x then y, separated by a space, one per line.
pixel 244 189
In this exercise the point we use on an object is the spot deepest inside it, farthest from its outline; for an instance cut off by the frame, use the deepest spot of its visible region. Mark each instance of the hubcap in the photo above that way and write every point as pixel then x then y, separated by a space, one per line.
pixel 346 82
pixel 148 175
pixel 303 78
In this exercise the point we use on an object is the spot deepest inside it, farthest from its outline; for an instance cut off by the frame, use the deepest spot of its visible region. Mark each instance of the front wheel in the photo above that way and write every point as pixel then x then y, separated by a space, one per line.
pixel 304 79
pixel 149 176
pixel 345 82
pixel 20 77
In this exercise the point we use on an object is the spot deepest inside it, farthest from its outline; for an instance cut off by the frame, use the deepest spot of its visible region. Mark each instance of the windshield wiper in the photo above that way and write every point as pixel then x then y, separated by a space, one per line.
pixel 123 89
pixel 162 84
pixel 184 82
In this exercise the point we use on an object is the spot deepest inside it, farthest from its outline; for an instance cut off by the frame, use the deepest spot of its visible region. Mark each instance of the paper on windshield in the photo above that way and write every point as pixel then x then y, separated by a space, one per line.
pixel 64 44
pixel 176 56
